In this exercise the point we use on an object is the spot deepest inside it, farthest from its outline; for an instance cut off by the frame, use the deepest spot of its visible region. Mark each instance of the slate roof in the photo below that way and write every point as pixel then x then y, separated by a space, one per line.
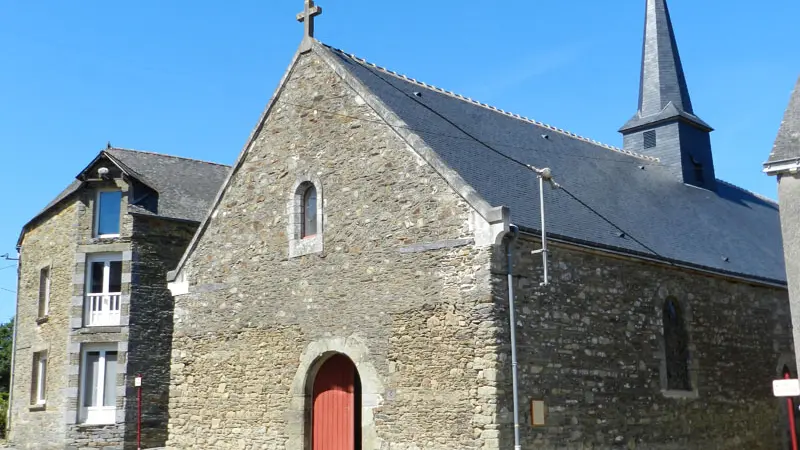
pixel 787 144
pixel 731 231
pixel 185 187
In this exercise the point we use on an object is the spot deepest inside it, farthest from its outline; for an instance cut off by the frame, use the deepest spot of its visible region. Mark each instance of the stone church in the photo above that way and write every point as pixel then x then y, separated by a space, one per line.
pixel 350 286
pixel 391 266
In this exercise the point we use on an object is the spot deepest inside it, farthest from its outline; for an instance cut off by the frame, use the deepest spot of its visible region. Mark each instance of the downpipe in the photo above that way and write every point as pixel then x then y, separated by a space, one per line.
pixel 514 234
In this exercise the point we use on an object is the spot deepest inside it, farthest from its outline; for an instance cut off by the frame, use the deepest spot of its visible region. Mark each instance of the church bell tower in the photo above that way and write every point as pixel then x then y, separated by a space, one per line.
pixel 665 126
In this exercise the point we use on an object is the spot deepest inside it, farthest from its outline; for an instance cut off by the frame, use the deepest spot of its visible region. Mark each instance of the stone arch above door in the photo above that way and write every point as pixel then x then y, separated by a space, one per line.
pixel 298 413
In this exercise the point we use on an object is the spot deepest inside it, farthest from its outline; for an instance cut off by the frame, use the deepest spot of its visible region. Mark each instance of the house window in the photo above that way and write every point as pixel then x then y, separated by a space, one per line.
pixel 107 213
pixel 309 212
pixel 103 290
pixel 676 347
pixel 39 379
pixel 99 385
pixel 650 139
pixel 44 292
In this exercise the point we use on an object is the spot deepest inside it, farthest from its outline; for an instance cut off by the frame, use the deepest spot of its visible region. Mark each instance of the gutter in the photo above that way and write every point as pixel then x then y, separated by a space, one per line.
pixel 784 166
pixel 654 259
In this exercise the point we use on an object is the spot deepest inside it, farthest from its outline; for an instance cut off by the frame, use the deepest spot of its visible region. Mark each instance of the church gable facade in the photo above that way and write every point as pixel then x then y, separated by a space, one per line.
pixel 395 269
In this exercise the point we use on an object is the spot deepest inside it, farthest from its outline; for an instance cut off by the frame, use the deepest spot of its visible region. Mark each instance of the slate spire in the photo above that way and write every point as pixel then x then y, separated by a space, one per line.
pixel 787 144
pixel 665 124
pixel 662 78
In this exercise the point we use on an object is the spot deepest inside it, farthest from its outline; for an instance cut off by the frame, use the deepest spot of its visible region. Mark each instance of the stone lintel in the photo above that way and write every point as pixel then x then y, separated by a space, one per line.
pixel 104 248
pixel 438 245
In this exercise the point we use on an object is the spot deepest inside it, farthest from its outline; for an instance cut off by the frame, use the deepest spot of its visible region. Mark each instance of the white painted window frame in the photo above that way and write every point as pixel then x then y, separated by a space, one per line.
pixel 107 259
pixel 96 415
pixel 96 229
pixel 41 378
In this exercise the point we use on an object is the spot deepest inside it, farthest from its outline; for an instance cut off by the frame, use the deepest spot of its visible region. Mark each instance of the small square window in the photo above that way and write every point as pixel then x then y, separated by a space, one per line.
pixel 44 292
pixel 650 139
pixel 107 213
pixel 39 379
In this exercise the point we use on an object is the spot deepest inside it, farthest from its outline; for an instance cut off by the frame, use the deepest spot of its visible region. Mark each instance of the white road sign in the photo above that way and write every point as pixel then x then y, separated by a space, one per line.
pixel 786 388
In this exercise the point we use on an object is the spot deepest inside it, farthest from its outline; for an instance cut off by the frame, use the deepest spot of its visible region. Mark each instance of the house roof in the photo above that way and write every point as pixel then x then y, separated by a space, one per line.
pixel 185 186
pixel 787 144
pixel 611 199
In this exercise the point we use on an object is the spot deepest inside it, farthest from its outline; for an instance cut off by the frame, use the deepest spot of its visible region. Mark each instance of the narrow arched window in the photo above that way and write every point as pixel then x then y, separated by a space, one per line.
pixel 676 347
pixel 308 221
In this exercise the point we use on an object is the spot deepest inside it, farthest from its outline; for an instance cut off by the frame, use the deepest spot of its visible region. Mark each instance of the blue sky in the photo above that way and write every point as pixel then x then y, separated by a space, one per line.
pixel 191 77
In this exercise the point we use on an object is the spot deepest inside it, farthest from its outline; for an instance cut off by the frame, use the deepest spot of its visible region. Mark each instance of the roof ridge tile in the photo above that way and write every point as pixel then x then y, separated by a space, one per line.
pixel 494 108
pixel 754 194
pixel 168 156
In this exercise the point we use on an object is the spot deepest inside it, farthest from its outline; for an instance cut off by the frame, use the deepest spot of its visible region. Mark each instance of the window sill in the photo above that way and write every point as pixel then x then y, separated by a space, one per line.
pixel 673 393
pixel 37 407
pixel 100 329
pixel 95 425
pixel 106 236
pixel 42 320
pixel 305 246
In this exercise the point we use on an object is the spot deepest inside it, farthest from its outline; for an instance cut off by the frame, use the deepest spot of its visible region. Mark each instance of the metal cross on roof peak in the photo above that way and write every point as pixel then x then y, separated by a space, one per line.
pixel 307 16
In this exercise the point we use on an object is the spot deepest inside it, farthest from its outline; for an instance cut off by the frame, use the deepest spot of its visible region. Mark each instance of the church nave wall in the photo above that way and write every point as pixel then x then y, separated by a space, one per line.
pixel 591 345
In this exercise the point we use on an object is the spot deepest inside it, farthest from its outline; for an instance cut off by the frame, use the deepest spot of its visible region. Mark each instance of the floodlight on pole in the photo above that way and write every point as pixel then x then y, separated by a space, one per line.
pixel 544 174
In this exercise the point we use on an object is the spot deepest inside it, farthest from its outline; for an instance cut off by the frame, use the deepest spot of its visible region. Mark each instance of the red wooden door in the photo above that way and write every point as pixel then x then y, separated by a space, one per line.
pixel 334 407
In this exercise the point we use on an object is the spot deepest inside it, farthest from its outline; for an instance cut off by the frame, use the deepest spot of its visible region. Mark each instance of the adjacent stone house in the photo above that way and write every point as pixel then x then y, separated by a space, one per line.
pixel 784 163
pixel 350 285
pixel 93 309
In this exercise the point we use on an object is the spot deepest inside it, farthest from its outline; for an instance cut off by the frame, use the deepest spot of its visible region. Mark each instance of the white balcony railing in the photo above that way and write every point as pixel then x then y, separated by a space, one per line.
pixel 103 309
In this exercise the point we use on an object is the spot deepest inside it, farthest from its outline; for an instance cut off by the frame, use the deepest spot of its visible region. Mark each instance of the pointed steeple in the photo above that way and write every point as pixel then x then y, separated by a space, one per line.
pixel 787 144
pixel 665 124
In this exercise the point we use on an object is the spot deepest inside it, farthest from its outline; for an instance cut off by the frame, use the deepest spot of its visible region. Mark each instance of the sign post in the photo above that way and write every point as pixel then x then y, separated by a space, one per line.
pixel 138 384
pixel 788 388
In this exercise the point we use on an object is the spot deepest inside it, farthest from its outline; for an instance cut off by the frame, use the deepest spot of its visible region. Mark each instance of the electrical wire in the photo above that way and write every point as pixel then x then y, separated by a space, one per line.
pixel 8 267
pixel 7 290
pixel 470 138
pixel 516 161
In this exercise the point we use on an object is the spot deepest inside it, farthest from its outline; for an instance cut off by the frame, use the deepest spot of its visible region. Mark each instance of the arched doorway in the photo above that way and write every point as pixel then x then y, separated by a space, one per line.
pixel 336 406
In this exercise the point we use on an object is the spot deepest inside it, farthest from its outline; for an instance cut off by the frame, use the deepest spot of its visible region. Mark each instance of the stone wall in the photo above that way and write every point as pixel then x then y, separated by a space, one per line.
pixel 51 243
pixel 416 320
pixel 157 246
pixel 591 346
